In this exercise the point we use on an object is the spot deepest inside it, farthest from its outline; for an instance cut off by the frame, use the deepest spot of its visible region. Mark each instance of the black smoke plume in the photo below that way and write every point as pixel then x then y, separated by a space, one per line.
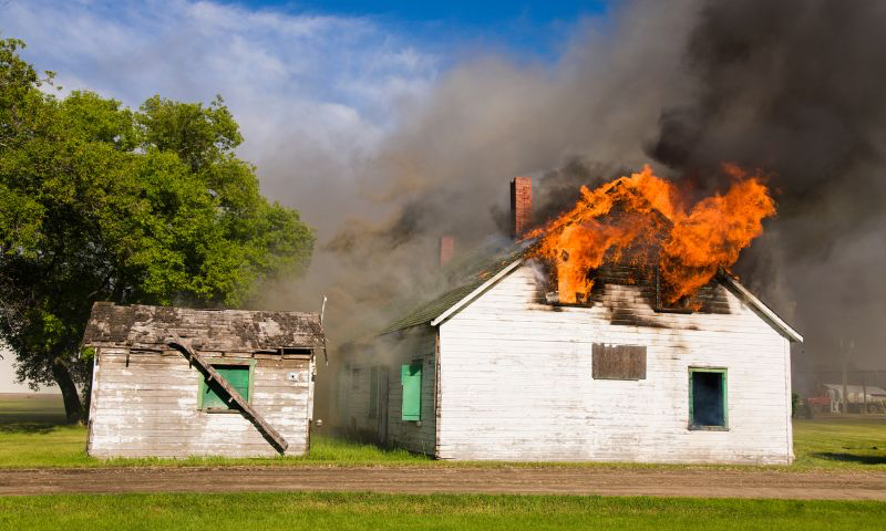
pixel 794 87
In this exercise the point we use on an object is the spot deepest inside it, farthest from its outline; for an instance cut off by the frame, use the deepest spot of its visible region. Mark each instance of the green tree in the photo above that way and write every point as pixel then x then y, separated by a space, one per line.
pixel 99 202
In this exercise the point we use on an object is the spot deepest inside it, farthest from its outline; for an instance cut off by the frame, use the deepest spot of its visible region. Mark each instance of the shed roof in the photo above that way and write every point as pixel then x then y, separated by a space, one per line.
pixel 209 330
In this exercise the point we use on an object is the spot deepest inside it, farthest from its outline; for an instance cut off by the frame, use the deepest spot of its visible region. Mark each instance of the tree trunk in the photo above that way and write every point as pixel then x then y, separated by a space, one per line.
pixel 62 377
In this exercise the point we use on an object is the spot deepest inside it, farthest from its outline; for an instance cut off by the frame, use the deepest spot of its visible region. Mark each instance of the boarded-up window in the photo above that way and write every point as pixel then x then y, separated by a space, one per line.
pixel 618 362
pixel 411 381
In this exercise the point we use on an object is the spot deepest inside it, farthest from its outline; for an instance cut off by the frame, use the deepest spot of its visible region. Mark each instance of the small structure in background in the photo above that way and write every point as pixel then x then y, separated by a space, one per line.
pixel 860 399
pixel 176 382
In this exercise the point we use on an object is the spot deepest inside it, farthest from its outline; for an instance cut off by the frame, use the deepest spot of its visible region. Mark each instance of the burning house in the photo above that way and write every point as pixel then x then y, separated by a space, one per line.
pixel 176 382
pixel 575 345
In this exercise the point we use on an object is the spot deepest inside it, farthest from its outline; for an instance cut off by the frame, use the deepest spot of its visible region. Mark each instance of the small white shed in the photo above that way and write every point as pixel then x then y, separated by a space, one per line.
pixel 179 382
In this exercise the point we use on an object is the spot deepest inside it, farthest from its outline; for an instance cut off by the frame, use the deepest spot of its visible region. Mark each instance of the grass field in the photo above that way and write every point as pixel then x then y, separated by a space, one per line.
pixel 32 434
pixel 840 442
pixel 321 511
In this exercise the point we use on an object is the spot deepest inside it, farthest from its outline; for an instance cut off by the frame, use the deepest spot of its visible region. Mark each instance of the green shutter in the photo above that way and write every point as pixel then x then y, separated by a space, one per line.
pixel 411 380
pixel 238 378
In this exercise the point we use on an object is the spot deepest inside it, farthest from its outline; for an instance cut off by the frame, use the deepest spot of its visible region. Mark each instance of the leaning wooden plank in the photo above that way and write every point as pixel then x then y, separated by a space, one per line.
pixel 267 430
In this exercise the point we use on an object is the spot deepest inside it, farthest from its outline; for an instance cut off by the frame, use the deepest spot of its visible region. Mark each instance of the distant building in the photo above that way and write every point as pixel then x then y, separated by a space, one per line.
pixel 860 399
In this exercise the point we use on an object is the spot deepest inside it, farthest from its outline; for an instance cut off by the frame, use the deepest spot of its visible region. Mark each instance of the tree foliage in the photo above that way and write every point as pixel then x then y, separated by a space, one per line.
pixel 100 202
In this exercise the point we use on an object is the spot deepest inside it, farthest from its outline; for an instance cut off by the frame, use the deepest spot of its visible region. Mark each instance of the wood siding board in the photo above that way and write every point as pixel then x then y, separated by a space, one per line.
pixel 92 398
pixel 787 394
pixel 415 344
pixel 437 393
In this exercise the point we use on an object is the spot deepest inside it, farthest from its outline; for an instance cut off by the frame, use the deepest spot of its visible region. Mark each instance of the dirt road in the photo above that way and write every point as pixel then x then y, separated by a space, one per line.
pixel 601 481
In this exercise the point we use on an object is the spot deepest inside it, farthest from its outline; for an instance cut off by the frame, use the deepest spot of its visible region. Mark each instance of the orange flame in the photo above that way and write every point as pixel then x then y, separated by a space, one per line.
pixel 626 219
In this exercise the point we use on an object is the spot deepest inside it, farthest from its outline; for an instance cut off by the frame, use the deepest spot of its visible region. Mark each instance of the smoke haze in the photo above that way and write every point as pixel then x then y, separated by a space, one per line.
pixel 793 87
pixel 797 88
pixel 384 145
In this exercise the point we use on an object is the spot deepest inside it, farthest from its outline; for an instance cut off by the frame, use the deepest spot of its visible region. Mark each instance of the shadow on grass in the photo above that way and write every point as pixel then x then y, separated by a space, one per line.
pixel 852 458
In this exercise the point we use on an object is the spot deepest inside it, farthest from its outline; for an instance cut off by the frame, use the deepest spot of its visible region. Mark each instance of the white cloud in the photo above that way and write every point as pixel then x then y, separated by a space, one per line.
pixel 314 94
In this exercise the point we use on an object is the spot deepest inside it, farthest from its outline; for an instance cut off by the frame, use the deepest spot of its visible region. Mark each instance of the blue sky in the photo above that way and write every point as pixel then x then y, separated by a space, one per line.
pixel 529 24
pixel 130 49
pixel 471 12
pixel 316 86
pixel 335 74
pixel 536 28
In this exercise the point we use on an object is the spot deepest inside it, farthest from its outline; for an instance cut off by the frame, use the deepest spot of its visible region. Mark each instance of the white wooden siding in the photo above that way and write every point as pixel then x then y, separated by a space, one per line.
pixel 356 410
pixel 149 408
pixel 416 344
pixel 389 353
pixel 515 382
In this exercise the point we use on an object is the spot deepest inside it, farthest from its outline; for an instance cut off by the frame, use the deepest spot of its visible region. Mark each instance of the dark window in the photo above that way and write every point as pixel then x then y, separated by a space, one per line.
pixel 295 351
pixel 618 362
pixel 355 379
pixel 708 399
pixel 374 392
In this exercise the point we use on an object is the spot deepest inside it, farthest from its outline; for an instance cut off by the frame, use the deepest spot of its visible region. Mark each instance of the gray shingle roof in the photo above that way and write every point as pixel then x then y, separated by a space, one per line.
pixel 472 270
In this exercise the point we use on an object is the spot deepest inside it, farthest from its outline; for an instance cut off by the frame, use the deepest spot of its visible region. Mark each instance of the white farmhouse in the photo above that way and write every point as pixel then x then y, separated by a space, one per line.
pixel 494 370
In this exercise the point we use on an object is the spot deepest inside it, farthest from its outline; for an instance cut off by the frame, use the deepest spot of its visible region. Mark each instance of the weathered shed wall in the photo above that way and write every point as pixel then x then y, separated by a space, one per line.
pixel 515 380
pixel 149 408
pixel 389 353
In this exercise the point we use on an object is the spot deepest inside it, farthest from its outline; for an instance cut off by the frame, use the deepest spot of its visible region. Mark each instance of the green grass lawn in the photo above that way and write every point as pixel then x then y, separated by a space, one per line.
pixel 351 511
pixel 856 441
pixel 32 434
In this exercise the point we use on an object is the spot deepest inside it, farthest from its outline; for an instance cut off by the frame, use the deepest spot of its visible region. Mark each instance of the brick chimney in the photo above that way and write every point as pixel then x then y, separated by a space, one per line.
pixel 521 205
pixel 447 248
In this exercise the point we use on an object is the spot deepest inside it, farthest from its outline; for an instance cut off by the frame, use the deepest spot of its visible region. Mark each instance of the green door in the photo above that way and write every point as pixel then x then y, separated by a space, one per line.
pixel 238 377
pixel 411 380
